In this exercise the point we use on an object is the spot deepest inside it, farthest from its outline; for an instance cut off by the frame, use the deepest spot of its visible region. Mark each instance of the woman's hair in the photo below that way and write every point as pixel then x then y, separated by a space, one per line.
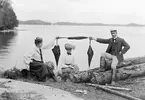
pixel 38 40
pixel 69 46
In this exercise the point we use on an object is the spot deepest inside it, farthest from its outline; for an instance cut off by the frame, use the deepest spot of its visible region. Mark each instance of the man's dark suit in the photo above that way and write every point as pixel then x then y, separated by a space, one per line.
pixel 120 45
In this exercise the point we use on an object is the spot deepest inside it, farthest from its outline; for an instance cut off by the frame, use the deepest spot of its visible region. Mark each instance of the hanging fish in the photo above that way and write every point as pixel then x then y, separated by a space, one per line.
pixel 90 53
pixel 56 51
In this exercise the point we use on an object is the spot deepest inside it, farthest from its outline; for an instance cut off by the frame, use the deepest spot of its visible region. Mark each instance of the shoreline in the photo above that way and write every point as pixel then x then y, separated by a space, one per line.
pixel 6 31
pixel 20 90
pixel 91 93
pixel 81 90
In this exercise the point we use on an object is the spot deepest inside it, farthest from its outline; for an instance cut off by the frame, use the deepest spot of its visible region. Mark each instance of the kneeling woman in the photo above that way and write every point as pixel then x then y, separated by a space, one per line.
pixel 34 61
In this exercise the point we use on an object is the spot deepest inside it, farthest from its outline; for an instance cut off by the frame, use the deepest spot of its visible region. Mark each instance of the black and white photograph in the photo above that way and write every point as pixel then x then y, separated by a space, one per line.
pixel 72 50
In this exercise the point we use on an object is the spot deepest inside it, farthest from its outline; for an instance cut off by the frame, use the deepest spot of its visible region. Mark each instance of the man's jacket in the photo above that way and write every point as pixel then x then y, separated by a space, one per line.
pixel 120 46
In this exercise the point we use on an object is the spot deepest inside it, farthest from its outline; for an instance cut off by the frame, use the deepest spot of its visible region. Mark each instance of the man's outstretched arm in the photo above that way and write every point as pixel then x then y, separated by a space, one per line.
pixel 100 40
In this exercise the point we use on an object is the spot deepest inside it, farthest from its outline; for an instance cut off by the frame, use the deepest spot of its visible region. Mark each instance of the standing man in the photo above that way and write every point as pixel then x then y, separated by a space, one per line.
pixel 116 48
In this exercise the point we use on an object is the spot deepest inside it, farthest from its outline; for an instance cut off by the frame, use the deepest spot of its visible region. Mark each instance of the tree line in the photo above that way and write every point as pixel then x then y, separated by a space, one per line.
pixel 8 18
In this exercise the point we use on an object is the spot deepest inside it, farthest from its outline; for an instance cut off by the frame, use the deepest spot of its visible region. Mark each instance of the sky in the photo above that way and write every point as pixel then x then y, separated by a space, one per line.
pixel 85 11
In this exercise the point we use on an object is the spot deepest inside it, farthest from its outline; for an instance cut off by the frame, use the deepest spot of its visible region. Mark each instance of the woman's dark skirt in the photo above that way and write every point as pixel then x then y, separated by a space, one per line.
pixel 41 69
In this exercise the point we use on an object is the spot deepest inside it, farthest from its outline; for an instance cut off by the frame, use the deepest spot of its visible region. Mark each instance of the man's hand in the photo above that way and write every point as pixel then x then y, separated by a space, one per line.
pixel 91 38
pixel 57 37
pixel 120 53
pixel 30 61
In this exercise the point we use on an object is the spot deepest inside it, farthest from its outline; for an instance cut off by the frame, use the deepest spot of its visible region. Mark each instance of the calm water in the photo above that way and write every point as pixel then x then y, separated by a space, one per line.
pixel 14 45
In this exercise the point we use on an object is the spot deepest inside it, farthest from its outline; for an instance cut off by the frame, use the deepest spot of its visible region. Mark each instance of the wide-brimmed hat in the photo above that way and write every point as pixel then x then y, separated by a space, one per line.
pixel 69 46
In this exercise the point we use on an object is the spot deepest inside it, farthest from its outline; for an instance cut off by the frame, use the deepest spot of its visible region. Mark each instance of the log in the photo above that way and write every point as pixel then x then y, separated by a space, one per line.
pixel 129 68
pixel 137 60
pixel 105 77
pixel 132 61
pixel 114 92
pixel 81 76
pixel 101 77
pixel 118 88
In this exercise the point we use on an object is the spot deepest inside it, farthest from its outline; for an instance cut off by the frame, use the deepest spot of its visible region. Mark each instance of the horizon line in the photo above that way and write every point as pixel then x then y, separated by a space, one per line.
pixel 79 22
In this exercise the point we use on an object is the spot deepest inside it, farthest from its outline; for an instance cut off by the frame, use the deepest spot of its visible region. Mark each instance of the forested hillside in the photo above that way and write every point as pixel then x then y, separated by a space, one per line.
pixel 8 18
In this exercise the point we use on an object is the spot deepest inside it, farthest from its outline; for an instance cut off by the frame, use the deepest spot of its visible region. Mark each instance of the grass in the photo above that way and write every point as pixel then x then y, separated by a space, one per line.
pixel 9 96
pixel 21 96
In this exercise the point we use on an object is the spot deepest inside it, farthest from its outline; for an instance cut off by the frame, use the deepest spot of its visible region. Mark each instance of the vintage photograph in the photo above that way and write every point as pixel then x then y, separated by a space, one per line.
pixel 72 50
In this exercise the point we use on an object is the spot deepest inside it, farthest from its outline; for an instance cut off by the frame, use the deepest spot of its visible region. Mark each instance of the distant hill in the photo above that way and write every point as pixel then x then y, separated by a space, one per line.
pixel 95 24
pixel 34 22
pixel 134 24
pixel 73 23
pixel 40 22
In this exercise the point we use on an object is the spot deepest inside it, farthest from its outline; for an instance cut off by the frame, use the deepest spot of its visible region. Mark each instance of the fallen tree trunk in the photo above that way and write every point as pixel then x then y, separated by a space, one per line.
pixel 129 68
pixel 132 61
pixel 118 88
pixel 114 92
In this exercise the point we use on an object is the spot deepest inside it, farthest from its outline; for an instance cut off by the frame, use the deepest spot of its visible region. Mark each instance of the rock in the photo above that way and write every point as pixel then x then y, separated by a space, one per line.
pixel 13 73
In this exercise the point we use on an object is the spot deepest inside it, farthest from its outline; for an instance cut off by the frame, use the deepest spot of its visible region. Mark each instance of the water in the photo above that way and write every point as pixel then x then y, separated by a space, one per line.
pixel 14 45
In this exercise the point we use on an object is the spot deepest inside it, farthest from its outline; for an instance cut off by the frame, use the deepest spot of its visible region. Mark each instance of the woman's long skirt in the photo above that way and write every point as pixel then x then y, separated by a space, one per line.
pixel 41 69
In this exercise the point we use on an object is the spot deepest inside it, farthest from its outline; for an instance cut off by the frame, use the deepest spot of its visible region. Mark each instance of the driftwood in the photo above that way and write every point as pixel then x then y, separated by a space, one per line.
pixel 118 88
pixel 129 68
pixel 132 61
pixel 114 92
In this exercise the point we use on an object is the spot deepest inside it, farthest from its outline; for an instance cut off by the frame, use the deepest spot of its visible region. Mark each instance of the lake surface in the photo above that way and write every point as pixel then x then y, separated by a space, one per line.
pixel 14 45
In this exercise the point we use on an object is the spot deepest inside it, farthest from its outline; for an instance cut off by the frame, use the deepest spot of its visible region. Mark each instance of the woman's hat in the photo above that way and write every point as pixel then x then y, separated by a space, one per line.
pixel 69 46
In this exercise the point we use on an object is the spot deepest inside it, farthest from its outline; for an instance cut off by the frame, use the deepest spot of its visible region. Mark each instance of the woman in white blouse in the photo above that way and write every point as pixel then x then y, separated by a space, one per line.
pixel 34 61
pixel 67 61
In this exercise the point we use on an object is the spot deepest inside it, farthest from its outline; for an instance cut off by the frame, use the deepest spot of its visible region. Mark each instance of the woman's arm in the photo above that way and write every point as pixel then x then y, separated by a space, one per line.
pixel 50 45
pixel 28 57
